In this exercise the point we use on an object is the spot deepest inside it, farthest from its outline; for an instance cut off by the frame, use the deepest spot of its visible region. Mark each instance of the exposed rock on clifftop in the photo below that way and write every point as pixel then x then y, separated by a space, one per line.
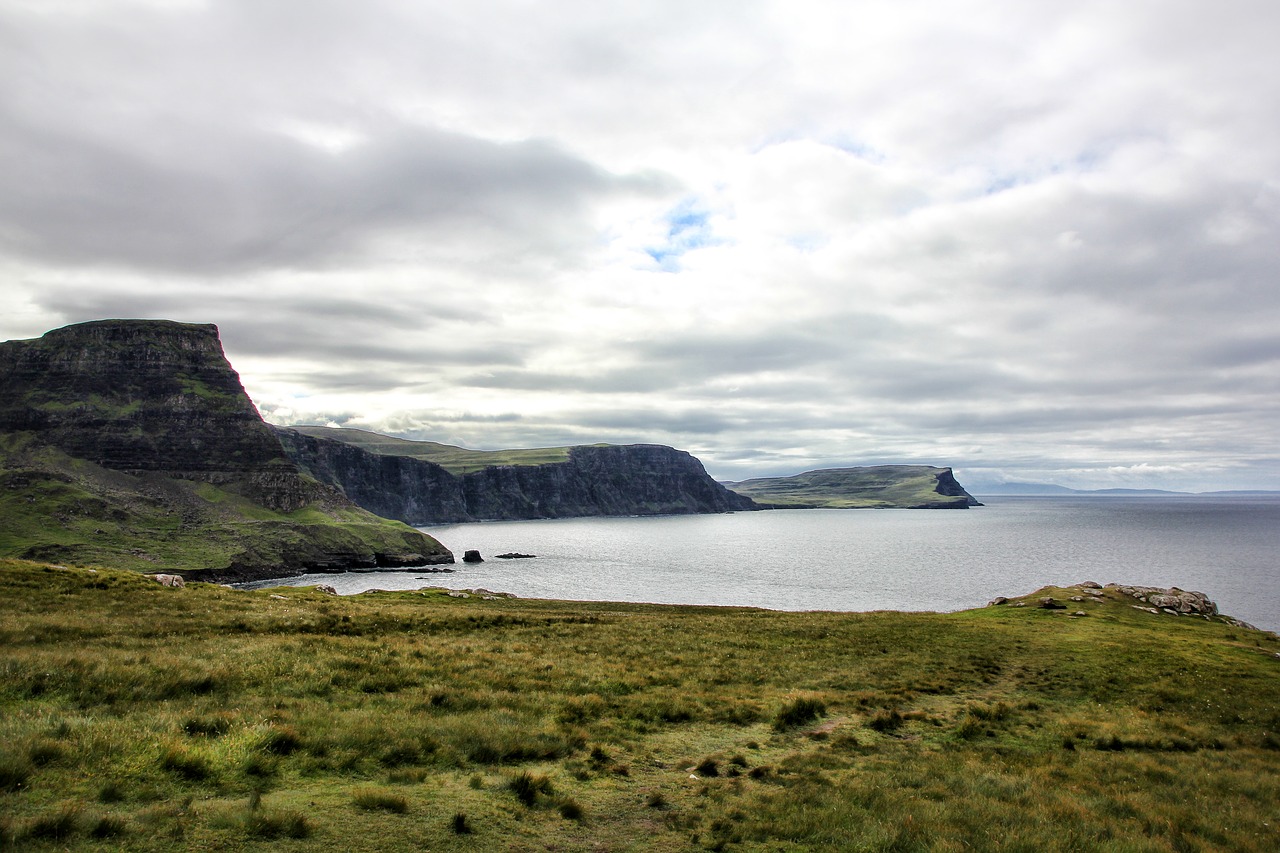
pixel 594 480
pixel 132 443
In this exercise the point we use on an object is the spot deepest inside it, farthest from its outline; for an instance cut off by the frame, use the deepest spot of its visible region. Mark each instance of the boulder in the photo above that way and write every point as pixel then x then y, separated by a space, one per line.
pixel 170 580
pixel 472 556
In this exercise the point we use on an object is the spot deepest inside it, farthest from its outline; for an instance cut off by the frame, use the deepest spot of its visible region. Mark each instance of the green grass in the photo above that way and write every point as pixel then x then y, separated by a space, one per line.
pixel 876 487
pixel 455 460
pixel 66 510
pixel 207 718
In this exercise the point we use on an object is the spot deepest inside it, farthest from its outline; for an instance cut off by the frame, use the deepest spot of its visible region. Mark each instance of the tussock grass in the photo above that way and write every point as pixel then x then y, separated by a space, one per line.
pixel 544 724
pixel 379 798
pixel 798 712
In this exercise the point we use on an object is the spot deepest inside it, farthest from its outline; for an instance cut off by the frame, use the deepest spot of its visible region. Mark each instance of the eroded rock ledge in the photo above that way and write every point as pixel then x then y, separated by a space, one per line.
pixel 1152 599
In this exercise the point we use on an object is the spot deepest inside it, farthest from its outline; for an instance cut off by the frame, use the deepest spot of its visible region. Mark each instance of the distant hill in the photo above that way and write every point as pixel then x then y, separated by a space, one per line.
pixel 131 443
pixel 424 482
pixel 879 486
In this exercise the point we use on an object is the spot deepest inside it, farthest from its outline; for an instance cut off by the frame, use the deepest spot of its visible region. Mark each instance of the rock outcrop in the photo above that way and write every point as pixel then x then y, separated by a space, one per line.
pixel 132 443
pixel 1172 600
pixel 594 480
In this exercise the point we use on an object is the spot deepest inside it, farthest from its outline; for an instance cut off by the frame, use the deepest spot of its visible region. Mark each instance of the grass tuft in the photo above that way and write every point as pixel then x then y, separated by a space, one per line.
pixel 15 772
pixel 108 826
pixel 190 766
pixel 798 712
pixel 281 740
pixel 886 721
pixel 59 825
pixel 377 799
pixel 526 786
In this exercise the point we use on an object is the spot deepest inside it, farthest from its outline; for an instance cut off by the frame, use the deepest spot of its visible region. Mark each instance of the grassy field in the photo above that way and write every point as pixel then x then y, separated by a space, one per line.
pixel 455 460
pixel 140 717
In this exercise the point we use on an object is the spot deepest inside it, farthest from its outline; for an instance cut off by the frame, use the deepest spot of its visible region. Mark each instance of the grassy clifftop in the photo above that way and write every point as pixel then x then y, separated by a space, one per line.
pixel 203 718
pixel 455 460
pixel 879 486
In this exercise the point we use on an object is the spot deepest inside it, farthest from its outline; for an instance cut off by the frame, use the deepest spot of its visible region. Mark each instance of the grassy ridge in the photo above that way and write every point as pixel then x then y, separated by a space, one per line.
pixel 57 508
pixel 455 460
pixel 874 487
pixel 207 718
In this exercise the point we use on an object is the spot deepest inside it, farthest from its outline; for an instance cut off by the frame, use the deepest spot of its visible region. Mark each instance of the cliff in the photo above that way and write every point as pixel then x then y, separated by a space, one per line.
pixel 397 479
pixel 133 443
pixel 879 486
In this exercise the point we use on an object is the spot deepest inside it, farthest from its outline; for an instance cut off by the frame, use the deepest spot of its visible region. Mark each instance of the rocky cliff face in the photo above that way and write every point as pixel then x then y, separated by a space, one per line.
pixel 97 422
pixel 146 395
pixel 596 480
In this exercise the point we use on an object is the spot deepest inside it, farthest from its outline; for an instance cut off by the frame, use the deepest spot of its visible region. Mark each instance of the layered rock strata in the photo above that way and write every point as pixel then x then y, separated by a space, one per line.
pixel 101 422
pixel 595 480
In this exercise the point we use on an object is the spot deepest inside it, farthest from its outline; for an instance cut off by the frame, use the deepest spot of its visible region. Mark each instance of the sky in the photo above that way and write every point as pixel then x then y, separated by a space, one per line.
pixel 1030 241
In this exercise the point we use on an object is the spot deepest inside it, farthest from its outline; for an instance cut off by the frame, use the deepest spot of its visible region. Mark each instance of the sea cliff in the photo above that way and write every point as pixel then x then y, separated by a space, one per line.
pixel 133 443
pixel 589 480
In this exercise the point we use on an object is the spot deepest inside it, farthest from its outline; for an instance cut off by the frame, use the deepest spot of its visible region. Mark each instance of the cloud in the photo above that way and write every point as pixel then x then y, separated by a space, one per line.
pixel 1018 237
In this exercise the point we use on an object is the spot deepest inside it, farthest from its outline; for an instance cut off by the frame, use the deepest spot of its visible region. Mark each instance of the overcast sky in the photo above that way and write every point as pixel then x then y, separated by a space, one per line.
pixel 1032 241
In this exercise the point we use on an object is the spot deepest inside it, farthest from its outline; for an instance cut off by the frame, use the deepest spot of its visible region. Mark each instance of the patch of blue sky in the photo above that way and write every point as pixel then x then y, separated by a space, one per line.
pixel 840 142
pixel 1086 161
pixel 856 147
pixel 688 228
pixel 807 243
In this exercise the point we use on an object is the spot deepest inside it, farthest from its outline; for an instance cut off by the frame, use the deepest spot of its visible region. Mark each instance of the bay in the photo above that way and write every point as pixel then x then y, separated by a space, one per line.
pixel 861 560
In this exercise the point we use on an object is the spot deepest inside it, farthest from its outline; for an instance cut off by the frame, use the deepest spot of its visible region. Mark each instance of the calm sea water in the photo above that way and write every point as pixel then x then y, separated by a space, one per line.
pixel 1227 547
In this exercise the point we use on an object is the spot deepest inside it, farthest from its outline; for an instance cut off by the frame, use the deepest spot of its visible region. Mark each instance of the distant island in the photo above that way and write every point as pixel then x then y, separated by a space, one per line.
pixel 879 486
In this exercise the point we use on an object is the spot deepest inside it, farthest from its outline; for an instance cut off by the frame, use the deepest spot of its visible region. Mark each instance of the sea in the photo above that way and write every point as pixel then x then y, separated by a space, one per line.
pixel 872 559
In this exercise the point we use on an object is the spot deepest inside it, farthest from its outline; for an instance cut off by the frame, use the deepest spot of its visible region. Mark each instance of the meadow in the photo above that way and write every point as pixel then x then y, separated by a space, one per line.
pixel 135 716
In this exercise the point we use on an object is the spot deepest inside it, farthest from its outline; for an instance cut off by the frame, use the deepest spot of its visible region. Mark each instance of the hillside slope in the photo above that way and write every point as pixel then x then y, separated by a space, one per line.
pixel 132 443
pixel 879 486
pixel 423 482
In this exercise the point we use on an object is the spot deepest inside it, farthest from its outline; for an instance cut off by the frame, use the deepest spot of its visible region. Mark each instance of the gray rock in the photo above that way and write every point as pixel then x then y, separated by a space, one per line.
pixel 174 581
